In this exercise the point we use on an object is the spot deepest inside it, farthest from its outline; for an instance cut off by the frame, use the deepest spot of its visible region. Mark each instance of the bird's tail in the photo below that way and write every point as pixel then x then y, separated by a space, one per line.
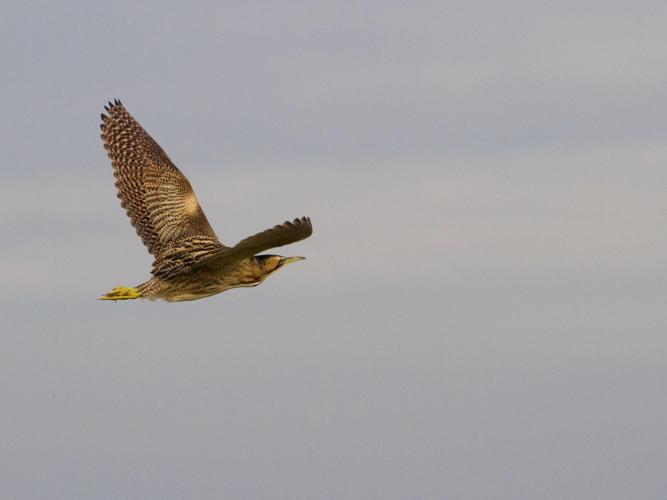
pixel 122 293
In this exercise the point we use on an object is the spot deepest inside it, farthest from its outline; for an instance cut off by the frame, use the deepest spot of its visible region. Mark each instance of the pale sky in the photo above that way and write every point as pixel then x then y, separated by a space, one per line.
pixel 481 314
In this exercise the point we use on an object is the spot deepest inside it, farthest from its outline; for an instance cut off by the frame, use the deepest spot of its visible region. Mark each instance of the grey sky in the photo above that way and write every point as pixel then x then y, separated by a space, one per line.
pixel 482 312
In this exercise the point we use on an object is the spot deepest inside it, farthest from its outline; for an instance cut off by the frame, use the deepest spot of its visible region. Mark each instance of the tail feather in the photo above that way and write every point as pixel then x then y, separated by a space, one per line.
pixel 122 293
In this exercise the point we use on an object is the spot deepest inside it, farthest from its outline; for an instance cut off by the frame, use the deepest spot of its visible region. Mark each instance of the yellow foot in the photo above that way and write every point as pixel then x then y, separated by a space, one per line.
pixel 121 293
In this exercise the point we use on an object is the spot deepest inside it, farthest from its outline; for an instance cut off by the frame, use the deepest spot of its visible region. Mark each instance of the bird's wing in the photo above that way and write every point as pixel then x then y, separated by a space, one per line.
pixel 221 258
pixel 156 195
pixel 277 236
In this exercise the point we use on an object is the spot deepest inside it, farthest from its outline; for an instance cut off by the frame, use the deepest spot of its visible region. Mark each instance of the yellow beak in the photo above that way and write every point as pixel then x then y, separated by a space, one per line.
pixel 289 260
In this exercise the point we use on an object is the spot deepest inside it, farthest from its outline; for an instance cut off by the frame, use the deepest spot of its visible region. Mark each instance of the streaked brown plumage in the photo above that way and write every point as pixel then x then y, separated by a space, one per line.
pixel 190 262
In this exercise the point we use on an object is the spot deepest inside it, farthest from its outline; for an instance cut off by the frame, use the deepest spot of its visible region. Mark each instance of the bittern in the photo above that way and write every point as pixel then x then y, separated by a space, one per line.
pixel 190 262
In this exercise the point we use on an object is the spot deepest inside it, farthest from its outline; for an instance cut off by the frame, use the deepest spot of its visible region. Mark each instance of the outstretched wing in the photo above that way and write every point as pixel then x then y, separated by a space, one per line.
pixel 277 236
pixel 223 257
pixel 156 195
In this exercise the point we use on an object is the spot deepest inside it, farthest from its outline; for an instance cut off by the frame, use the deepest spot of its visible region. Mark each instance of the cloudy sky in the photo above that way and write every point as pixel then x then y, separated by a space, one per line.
pixel 482 311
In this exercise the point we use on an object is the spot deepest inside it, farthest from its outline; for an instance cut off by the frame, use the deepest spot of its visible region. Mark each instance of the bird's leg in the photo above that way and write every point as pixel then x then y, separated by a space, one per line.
pixel 121 293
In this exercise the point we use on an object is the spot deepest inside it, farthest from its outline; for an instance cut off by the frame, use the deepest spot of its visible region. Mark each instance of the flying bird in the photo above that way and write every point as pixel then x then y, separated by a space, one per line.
pixel 190 262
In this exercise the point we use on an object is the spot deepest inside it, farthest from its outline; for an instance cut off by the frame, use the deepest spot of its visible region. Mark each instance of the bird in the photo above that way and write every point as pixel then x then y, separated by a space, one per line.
pixel 190 261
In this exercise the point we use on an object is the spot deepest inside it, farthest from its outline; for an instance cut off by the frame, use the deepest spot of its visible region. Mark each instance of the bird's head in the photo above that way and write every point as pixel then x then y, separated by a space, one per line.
pixel 268 264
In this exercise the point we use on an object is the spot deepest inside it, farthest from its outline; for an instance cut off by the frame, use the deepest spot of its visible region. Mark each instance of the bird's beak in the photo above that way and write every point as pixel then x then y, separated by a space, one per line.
pixel 289 260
